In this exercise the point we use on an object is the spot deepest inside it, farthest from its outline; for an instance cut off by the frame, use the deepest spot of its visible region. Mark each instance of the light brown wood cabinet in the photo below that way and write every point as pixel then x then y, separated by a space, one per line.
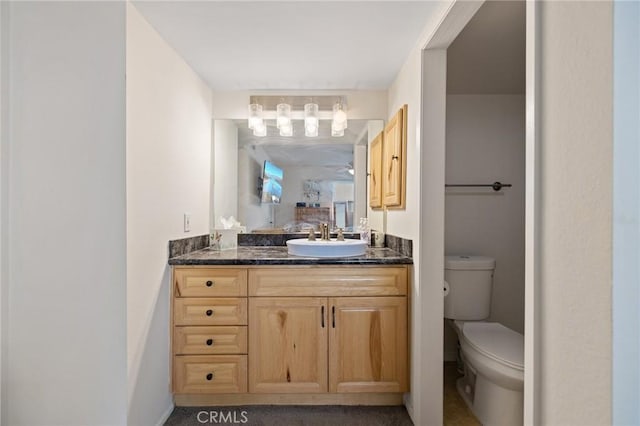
pixel 299 330
pixel 375 173
pixel 288 346
pixel 209 328
pixel 388 163
pixel 368 344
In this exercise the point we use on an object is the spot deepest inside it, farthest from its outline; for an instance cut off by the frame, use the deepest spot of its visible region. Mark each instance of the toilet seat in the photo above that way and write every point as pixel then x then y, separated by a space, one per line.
pixel 496 341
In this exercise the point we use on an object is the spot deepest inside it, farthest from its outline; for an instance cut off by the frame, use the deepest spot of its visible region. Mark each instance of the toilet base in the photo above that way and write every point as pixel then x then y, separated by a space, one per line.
pixel 492 405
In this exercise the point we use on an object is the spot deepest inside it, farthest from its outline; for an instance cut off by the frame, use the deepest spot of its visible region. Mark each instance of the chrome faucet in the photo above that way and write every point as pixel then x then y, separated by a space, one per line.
pixel 324 232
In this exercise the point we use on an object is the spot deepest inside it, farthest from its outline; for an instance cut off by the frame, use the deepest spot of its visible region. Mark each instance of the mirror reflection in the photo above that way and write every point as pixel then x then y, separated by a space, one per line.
pixel 289 184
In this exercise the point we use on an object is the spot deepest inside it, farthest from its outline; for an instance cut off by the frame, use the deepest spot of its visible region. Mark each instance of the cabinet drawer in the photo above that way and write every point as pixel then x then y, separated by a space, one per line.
pixel 206 282
pixel 210 311
pixel 210 374
pixel 358 281
pixel 203 340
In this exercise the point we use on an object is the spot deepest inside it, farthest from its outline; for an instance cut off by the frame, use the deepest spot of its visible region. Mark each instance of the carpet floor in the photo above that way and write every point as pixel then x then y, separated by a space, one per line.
pixel 291 415
pixel 456 412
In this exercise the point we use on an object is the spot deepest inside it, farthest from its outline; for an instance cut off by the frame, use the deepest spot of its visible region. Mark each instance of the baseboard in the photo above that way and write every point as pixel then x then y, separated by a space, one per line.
pixel 406 399
pixel 202 400
pixel 165 415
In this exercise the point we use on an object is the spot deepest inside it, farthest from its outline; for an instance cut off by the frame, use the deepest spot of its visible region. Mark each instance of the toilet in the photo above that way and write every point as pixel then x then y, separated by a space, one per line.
pixel 492 354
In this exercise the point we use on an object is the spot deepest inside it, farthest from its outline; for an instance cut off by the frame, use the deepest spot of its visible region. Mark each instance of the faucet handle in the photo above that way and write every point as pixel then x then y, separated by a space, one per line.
pixel 340 235
pixel 312 235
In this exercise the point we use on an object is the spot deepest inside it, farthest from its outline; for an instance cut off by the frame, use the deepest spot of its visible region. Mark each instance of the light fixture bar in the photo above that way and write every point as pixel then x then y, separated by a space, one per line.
pixel 297 102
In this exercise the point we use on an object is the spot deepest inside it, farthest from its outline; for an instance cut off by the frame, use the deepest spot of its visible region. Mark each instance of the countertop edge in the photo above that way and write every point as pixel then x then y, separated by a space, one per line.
pixel 252 256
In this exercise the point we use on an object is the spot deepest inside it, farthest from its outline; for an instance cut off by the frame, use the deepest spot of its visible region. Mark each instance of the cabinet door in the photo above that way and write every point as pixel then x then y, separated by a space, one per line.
pixel 288 345
pixel 375 172
pixel 368 344
pixel 394 160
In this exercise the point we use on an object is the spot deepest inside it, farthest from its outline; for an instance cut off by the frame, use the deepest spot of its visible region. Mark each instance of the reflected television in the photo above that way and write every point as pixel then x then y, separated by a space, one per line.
pixel 271 183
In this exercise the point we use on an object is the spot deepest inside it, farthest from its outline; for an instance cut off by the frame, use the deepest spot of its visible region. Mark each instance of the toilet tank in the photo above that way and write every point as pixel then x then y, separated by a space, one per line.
pixel 468 282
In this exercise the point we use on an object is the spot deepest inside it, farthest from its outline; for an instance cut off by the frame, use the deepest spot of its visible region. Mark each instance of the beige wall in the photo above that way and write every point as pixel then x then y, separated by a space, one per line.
pixel 575 166
pixel 168 174
pixel 63 194
pixel 486 143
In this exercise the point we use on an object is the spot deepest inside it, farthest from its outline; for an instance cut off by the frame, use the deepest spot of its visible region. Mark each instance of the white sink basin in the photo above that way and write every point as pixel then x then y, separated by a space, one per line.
pixel 331 248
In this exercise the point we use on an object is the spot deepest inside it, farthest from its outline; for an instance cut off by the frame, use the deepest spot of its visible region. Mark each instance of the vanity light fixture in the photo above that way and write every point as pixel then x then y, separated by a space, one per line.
pixel 284 109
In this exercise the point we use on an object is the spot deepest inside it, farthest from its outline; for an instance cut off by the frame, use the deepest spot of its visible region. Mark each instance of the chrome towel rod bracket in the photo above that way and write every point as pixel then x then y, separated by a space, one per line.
pixel 497 186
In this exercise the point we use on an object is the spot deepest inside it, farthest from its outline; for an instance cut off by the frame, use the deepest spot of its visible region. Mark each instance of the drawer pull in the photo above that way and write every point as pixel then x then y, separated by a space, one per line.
pixel 209 312
pixel 210 376
pixel 209 283
pixel 209 342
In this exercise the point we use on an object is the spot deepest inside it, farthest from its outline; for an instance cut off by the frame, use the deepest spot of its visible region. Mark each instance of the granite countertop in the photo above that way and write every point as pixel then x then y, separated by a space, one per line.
pixel 261 255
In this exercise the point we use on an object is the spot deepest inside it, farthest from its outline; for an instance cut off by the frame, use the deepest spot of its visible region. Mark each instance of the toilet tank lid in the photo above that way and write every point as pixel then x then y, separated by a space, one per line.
pixel 469 263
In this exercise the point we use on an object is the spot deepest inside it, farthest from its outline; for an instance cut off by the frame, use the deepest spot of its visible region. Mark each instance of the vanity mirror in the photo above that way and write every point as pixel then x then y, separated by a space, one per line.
pixel 324 178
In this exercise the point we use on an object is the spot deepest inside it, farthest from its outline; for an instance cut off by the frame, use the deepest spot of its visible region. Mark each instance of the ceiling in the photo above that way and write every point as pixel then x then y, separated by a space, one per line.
pixel 488 57
pixel 289 45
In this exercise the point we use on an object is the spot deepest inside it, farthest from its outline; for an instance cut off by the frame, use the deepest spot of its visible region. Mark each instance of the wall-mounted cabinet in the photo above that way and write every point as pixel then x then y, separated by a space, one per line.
pixel 375 175
pixel 388 164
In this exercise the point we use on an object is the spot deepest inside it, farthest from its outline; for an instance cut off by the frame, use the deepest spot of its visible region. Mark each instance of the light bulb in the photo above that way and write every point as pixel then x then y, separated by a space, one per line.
pixel 283 115
pixel 260 129
pixel 286 130
pixel 255 115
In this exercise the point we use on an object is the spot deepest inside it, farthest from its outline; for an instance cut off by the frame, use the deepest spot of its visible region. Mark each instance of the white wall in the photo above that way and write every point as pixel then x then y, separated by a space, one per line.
pixel 575 239
pixel 225 171
pixel 486 143
pixel 626 209
pixel 66 333
pixel 4 162
pixel 424 402
pixel 168 174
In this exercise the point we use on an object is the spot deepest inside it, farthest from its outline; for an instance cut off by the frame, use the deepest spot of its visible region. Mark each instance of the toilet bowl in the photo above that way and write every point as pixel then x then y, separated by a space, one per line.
pixel 493 357
pixel 492 354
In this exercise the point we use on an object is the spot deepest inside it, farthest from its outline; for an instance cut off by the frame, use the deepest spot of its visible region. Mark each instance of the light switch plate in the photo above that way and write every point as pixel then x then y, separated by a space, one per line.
pixel 187 222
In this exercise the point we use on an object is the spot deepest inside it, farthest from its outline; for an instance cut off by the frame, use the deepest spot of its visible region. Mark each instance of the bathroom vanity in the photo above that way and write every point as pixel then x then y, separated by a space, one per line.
pixel 258 326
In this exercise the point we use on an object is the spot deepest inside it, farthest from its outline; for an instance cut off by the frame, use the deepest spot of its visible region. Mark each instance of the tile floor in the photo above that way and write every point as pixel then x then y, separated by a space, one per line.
pixel 456 412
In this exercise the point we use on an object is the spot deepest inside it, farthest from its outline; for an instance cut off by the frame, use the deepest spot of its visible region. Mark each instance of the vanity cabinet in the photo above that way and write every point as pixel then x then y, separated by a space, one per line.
pixel 291 331
pixel 288 345
pixel 368 344
pixel 388 164
pixel 209 327
pixel 343 343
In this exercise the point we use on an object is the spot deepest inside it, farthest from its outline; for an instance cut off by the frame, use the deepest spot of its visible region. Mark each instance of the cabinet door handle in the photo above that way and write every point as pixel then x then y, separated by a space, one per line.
pixel 210 376
pixel 322 316
pixel 209 312
pixel 333 316
pixel 209 283
pixel 209 342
